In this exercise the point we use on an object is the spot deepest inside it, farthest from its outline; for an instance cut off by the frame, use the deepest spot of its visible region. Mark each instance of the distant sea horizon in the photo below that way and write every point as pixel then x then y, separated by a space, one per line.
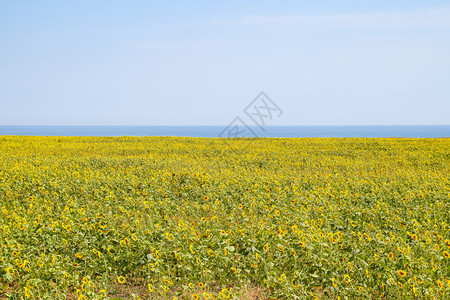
pixel 369 131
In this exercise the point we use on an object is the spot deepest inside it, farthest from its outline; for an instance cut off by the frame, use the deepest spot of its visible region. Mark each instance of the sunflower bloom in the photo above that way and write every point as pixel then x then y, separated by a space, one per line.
pixel 346 278
pixel 121 279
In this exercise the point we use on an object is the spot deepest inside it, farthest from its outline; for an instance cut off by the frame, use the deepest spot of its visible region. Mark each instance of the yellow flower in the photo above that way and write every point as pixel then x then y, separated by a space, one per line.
pixel 266 247
pixel 346 278
pixel 295 286
pixel 337 236
pixel 121 279
pixel 195 296
pixel 401 273
pixel 101 225
pixel 123 243
pixel 27 295
pixel 10 270
pixel 446 254
pixel 390 255
pixel 79 255
pixel 200 284
pixel 190 248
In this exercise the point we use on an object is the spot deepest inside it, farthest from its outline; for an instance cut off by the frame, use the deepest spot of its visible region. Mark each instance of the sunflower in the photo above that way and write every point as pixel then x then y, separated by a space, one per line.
pixel 401 273
pixel 195 296
pixel 200 284
pixel 27 295
pixel 446 254
pixel 266 247
pixel 337 236
pixel 121 279
pixel 295 286
pixel 390 255
pixel 102 225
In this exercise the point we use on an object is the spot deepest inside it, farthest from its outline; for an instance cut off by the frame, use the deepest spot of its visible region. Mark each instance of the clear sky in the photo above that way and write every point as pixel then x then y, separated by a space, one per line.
pixel 351 62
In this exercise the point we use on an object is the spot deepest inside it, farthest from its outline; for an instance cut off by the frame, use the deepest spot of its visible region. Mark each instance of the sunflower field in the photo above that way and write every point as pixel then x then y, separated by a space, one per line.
pixel 205 218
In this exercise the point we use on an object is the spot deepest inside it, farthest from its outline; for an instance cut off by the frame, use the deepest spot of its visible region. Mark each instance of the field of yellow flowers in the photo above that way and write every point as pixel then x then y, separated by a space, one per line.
pixel 199 218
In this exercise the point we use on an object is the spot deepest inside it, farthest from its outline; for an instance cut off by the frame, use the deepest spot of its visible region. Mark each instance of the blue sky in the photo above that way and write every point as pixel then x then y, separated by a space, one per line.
pixel 201 62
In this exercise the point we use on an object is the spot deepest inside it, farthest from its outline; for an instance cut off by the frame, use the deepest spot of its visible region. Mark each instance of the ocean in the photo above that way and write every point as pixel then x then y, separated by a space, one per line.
pixel 416 131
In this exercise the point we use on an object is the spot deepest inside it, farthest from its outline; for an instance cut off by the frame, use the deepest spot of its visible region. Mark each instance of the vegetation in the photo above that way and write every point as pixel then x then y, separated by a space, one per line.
pixel 191 218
